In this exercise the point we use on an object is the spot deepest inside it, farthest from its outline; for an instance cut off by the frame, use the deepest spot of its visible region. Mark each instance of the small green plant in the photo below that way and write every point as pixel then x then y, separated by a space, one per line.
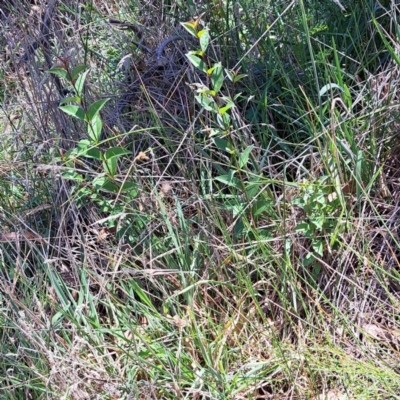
pixel 320 206
pixel 210 96
pixel 90 148
pixel 212 100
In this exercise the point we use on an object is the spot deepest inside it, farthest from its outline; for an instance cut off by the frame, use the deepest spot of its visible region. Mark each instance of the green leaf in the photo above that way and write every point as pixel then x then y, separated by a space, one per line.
pixel 94 152
pixel 299 202
pixel 229 74
pixel 217 77
pixel 260 206
pixel 197 62
pixel 236 207
pixel 190 27
pixel 320 198
pixel 130 186
pixel 116 152
pixel 77 70
pixel 110 187
pixel 318 221
pixel 82 147
pixel 83 144
pixel 71 99
pixel 222 144
pixel 75 111
pixel 303 227
pixel 57 318
pixel 72 175
pixel 69 158
pixel 210 70
pixel 80 83
pixel 223 120
pixel 227 119
pixel 224 109
pixel 110 166
pixel 215 132
pixel 208 104
pixel 204 39
pixel 95 126
pixel 205 92
pixel 230 180
pixel 70 154
pixel 239 228
pixel 318 247
pixel 308 259
pixel 99 181
pixel 244 157
pixel 237 78
pixel 253 188
pixel 104 183
pixel 61 72
pixel 95 108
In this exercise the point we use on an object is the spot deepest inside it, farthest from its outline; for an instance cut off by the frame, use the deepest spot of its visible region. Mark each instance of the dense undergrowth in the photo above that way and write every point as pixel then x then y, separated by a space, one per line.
pixel 198 200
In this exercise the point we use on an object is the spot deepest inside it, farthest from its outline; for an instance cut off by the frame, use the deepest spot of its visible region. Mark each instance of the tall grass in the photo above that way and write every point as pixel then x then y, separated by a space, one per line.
pixel 255 255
